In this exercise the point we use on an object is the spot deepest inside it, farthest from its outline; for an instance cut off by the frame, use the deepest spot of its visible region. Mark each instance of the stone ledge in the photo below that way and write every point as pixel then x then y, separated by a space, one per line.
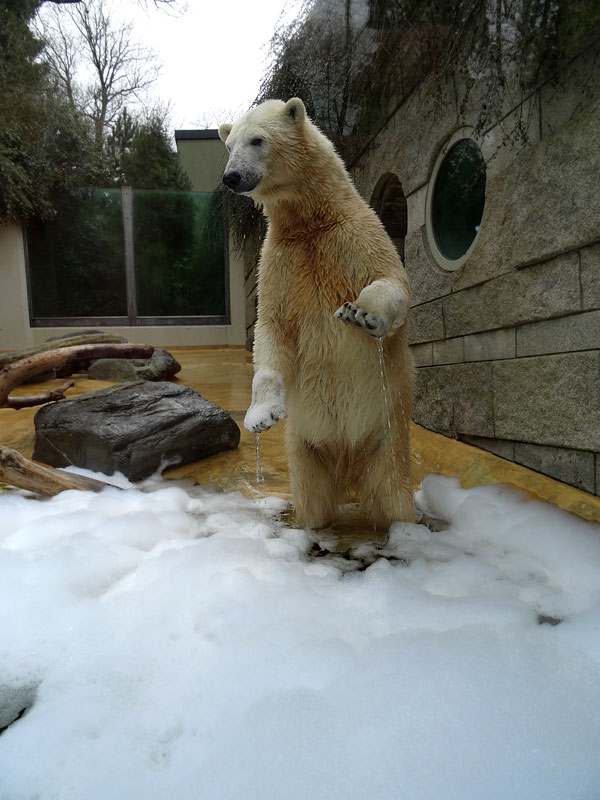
pixel 561 335
pixel 575 467
pixel 499 447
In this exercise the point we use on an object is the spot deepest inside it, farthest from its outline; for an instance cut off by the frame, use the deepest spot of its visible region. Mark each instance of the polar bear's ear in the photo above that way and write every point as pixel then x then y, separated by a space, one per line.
pixel 224 131
pixel 294 108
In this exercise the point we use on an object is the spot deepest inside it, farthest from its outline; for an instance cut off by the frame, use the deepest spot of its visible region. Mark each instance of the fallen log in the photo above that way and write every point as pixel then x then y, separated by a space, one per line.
pixel 65 361
pixel 16 470
pixel 57 344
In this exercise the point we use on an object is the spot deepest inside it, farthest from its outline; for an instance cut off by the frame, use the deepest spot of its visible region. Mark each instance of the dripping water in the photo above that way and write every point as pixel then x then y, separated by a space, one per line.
pixel 388 411
pixel 259 477
pixel 385 393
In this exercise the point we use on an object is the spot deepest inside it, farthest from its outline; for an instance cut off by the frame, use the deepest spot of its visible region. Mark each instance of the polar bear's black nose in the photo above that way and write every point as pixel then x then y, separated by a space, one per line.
pixel 232 179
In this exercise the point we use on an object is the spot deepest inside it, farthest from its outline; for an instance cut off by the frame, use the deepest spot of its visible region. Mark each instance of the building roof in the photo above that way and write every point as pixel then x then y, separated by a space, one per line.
pixel 206 133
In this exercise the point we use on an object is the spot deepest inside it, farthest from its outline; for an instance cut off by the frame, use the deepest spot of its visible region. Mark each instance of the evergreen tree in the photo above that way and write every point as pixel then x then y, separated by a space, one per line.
pixel 44 143
pixel 150 162
pixel 119 143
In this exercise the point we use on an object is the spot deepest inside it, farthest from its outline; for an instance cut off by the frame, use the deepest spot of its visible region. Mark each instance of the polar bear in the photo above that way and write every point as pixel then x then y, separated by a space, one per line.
pixel 326 261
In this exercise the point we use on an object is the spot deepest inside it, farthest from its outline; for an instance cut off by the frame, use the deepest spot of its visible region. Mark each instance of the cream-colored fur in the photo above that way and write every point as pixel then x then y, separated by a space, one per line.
pixel 326 261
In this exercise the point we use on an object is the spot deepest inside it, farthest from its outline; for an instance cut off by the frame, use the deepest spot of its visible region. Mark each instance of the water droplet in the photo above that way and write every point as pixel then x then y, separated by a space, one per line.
pixel 388 410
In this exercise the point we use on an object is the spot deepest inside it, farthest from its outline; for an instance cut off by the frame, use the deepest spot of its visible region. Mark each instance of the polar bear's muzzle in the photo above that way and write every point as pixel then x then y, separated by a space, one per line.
pixel 240 182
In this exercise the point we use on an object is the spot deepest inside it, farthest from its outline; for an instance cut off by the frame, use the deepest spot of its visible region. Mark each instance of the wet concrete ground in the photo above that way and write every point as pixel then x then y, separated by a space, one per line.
pixel 224 376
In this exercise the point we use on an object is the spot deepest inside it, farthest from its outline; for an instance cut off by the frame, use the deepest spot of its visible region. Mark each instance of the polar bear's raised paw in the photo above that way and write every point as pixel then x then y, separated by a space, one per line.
pixel 268 401
pixel 261 417
pixel 351 314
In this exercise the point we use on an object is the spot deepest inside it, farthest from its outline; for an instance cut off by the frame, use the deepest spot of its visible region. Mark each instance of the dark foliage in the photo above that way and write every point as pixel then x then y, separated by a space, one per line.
pixel 354 62
pixel 44 143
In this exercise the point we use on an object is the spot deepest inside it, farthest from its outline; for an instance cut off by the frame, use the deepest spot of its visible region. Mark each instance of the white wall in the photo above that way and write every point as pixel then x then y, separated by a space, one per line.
pixel 14 309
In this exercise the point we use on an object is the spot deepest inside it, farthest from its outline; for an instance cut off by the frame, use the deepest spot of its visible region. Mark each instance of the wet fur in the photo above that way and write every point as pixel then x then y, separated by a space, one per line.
pixel 323 246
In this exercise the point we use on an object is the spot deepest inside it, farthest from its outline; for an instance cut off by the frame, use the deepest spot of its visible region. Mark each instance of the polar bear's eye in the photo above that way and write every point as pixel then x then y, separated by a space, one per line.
pixel 257 141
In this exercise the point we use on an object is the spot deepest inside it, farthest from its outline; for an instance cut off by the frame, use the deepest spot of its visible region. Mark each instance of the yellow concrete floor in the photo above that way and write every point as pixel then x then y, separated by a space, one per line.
pixel 224 376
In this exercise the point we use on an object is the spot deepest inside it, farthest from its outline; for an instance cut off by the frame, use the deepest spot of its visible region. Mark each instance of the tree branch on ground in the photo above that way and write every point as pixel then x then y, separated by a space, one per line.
pixel 16 470
pixel 65 361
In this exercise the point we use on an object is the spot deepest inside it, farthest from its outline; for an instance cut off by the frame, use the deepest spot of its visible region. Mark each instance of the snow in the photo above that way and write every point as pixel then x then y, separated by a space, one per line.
pixel 176 642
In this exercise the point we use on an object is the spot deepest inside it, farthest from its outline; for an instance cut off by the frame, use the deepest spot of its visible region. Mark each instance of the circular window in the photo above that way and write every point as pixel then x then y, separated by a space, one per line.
pixel 456 202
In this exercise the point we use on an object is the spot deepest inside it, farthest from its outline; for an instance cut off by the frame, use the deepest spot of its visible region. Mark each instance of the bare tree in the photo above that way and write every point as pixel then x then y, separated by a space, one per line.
pixel 82 40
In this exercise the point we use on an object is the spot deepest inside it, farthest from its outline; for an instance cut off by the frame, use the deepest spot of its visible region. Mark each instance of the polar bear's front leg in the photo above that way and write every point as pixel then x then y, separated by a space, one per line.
pixel 379 309
pixel 268 401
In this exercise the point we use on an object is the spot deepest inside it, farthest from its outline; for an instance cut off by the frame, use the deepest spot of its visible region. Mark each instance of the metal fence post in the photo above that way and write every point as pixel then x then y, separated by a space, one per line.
pixel 127 203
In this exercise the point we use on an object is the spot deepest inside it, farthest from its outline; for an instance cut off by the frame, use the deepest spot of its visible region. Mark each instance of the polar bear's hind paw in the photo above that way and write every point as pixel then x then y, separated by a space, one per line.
pixel 351 314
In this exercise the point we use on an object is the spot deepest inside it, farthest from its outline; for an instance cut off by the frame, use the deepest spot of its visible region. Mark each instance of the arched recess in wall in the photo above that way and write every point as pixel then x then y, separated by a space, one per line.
pixel 389 202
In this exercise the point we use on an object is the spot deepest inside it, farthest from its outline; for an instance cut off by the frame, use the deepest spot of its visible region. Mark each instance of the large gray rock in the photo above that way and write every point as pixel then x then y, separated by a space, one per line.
pixel 160 367
pixel 137 429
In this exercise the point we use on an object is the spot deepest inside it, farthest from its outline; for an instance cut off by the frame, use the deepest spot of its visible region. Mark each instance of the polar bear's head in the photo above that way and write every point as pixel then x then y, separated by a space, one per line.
pixel 264 147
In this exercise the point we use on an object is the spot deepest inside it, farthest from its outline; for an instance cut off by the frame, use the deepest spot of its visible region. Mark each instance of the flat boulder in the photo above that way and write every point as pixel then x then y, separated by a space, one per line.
pixel 135 428
pixel 160 367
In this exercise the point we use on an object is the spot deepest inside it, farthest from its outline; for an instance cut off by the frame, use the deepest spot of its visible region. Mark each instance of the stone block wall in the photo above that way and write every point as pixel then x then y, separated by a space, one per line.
pixel 507 347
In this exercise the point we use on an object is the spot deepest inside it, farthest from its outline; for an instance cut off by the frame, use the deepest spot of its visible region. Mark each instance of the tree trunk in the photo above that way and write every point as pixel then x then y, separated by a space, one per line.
pixel 67 341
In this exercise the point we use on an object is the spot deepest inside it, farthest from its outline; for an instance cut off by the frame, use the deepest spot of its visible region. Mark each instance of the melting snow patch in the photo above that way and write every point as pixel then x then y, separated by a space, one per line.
pixel 158 642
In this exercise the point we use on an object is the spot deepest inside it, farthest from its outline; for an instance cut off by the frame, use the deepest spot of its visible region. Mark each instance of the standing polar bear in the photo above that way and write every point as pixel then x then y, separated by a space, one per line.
pixel 326 260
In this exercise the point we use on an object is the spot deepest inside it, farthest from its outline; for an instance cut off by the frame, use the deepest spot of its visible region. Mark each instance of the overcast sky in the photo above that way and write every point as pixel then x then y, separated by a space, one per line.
pixel 214 54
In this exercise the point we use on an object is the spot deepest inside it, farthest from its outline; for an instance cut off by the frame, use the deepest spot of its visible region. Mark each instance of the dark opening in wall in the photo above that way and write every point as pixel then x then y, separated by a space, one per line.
pixel 389 202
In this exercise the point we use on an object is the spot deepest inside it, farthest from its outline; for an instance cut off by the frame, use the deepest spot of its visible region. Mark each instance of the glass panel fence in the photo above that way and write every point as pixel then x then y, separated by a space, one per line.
pixel 76 260
pixel 177 266
pixel 179 254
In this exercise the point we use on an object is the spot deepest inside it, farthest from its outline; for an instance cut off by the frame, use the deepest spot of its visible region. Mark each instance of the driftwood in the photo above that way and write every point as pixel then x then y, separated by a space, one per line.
pixel 65 361
pixel 16 470
pixel 57 344
pixel 26 401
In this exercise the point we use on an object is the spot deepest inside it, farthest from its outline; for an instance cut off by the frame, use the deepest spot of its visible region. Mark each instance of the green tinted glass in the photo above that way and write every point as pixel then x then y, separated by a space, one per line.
pixel 76 260
pixel 179 254
pixel 458 199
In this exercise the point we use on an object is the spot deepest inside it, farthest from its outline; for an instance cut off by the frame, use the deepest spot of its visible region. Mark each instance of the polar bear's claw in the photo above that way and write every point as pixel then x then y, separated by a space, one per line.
pixel 261 417
pixel 351 314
